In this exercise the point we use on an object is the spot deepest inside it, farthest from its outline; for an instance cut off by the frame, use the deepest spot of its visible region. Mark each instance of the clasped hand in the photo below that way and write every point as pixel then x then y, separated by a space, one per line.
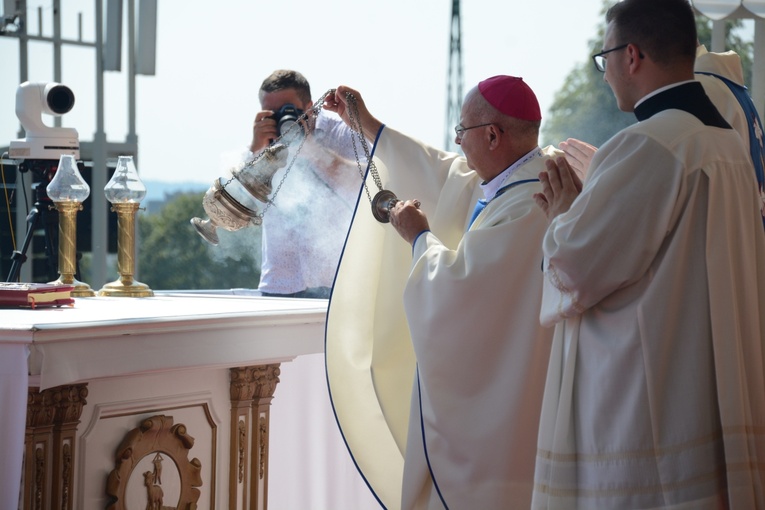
pixel 560 187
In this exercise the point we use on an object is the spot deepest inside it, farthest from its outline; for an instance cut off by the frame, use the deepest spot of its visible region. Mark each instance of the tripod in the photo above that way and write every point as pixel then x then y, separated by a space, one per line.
pixel 40 214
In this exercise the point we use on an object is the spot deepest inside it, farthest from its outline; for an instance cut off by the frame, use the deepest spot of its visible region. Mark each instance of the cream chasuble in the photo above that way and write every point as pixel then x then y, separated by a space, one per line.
pixel 656 280
pixel 727 65
pixel 472 301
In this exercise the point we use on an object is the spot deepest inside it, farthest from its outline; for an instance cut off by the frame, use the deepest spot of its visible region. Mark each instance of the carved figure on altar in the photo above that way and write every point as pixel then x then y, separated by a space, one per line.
pixel 153 491
pixel 157 461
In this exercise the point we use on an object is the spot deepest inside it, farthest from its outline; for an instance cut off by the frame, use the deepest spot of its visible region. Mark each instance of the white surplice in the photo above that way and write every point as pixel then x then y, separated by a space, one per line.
pixel 472 301
pixel 656 280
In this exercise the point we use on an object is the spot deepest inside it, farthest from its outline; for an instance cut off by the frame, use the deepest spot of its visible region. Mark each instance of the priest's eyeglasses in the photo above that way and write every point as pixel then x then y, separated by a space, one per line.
pixel 600 59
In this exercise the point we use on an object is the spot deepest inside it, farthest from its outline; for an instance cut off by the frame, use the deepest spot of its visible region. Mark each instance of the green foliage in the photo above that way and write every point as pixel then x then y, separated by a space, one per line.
pixel 733 41
pixel 585 108
pixel 173 256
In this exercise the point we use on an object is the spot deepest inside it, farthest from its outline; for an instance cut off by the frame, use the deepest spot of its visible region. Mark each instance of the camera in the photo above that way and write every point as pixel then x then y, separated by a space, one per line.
pixel 286 117
pixel 43 142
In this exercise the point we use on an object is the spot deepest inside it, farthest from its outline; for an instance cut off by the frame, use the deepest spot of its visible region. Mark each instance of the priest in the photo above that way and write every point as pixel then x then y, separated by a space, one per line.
pixel 435 356
pixel 655 282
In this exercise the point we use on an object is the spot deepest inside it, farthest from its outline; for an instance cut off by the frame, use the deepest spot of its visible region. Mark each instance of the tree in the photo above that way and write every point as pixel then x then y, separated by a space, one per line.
pixel 173 256
pixel 585 107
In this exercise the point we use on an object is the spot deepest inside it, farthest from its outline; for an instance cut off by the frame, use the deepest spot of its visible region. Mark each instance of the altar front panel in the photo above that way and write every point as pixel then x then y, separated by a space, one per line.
pixel 198 400
pixel 161 368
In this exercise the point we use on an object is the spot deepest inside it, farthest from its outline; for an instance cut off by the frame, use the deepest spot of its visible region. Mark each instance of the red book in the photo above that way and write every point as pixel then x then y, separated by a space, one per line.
pixel 34 295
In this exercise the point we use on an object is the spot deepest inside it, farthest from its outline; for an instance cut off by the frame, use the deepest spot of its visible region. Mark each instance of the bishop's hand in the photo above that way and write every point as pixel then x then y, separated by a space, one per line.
pixel 350 106
pixel 408 220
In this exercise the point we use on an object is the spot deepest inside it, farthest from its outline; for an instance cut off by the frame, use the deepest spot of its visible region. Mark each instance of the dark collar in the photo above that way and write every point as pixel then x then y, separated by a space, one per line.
pixel 689 97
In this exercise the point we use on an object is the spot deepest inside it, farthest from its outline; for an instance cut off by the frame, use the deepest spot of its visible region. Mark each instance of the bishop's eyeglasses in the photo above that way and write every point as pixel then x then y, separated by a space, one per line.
pixel 459 130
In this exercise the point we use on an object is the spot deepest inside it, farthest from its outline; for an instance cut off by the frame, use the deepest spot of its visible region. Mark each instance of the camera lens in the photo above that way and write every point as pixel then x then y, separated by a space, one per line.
pixel 60 99
pixel 286 123
pixel 286 117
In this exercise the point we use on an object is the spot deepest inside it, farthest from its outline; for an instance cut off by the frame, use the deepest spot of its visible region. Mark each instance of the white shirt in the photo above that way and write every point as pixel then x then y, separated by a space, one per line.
pixel 304 230
pixel 490 188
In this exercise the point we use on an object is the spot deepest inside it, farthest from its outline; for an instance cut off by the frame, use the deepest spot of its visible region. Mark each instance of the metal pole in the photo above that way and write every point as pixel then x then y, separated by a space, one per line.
pixel 132 138
pixel 454 85
pixel 25 274
pixel 99 207
pixel 718 36
pixel 56 50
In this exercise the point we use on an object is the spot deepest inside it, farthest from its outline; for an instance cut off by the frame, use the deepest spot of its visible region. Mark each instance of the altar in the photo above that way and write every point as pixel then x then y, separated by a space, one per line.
pixel 159 401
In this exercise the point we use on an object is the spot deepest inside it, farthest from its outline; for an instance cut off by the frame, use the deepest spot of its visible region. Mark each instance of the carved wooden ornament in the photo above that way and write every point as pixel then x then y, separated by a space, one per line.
pixel 157 437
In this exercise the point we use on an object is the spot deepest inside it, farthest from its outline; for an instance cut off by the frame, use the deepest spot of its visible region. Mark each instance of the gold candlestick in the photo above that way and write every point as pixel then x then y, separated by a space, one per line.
pixel 125 191
pixel 68 190
pixel 67 248
pixel 126 286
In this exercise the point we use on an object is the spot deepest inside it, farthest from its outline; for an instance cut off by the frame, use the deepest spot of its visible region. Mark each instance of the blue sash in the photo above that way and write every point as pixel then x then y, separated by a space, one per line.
pixel 482 203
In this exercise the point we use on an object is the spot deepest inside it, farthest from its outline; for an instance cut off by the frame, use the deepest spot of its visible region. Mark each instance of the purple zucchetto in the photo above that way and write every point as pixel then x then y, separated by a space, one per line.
pixel 511 96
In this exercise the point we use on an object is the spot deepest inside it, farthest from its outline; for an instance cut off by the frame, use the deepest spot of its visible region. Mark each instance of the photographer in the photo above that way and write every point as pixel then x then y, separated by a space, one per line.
pixel 303 232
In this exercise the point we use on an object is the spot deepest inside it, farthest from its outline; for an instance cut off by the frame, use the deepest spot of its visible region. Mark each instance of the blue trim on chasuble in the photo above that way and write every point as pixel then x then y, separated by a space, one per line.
pixel 326 321
pixel 425 444
pixel 756 148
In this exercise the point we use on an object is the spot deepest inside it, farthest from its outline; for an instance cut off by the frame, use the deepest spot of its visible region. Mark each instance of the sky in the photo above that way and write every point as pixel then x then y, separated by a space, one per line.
pixel 212 56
